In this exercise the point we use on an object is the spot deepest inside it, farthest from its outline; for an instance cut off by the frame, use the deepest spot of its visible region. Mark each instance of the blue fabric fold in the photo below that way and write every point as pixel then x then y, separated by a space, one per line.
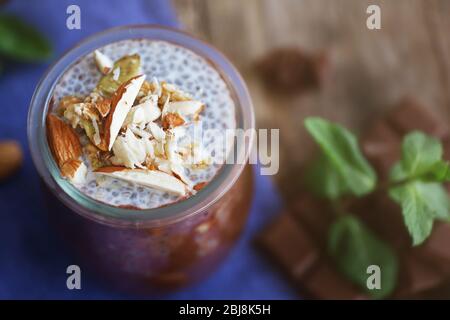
pixel 33 262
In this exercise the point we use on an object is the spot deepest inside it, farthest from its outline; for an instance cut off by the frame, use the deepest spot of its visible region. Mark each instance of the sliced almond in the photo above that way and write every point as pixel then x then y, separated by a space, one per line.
pixel 163 165
pixel 121 103
pixel 157 132
pixel 103 62
pixel 129 151
pixel 172 149
pixel 144 112
pixel 156 87
pixel 175 93
pixel 146 89
pixel 75 171
pixel 178 170
pixel 183 108
pixel 149 178
pixel 63 140
pixel 158 147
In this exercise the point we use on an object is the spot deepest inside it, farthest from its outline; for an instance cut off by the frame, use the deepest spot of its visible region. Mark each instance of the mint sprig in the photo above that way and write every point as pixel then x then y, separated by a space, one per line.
pixel 415 184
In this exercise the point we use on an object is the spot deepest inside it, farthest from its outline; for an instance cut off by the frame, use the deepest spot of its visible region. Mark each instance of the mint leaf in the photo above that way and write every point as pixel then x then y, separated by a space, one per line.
pixel 419 153
pixel 20 41
pixel 440 172
pixel 421 159
pixel 341 147
pixel 421 203
pixel 354 248
pixel 398 173
pixel 324 180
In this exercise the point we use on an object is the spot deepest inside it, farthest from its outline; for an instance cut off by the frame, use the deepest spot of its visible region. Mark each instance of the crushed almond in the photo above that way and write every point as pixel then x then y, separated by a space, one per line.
pixel 132 127
pixel 66 102
pixel 172 120
pixel 103 107
pixel 199 186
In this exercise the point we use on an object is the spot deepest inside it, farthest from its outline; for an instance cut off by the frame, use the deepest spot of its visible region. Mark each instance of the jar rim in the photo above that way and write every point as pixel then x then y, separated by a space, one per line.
pixel 105 213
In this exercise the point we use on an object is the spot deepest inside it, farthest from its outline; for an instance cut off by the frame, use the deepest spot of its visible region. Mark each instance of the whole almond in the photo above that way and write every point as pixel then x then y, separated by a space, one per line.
pixel 63 140
pixel 11 157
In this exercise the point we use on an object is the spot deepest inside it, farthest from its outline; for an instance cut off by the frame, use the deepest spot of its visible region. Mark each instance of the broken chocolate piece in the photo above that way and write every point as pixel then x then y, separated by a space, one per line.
pixel 290 70
pixel 436 249
pixel 384 217
pixel 381 146
pixel 291 246
pixel 325 282
pixel 415 278
pixel 314 215
pixel 409 115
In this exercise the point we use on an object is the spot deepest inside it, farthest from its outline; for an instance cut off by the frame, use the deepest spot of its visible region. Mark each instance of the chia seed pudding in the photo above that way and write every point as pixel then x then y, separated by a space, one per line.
pixel 135 167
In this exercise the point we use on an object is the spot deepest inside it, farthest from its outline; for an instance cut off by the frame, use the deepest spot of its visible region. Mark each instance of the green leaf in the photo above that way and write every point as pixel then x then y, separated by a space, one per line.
pixel 440 172
pixel 354 248
pixel 421 203
pixel 324 180
pixel 20 41
pixel 397 173
pixel 341 148
pixel 419 153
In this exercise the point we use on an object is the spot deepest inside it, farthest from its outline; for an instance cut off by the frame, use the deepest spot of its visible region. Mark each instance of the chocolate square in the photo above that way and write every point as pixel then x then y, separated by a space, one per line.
pixel 410 115
pixel 415 278
pixel 325 282
pixel 290 245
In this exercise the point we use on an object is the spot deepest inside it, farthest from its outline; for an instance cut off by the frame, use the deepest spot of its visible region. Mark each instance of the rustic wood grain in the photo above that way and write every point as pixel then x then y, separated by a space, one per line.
pixel 370 69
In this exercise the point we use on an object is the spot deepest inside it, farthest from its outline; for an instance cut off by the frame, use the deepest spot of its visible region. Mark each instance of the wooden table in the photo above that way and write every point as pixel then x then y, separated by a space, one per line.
pixel 371 69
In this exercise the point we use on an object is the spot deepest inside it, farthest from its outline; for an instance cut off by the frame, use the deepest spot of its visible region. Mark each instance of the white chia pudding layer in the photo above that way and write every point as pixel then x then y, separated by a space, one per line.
pixel 165 62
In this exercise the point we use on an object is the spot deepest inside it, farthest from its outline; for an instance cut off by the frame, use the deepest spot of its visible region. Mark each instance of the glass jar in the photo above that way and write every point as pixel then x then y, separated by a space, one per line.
pixel 162 248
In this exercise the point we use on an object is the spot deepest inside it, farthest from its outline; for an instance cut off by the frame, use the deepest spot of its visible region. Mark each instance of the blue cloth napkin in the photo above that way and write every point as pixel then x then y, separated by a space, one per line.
pixel 33 262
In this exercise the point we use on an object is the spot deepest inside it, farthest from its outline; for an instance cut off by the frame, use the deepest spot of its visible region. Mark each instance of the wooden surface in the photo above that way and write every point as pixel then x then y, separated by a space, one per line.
pixel 370 69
